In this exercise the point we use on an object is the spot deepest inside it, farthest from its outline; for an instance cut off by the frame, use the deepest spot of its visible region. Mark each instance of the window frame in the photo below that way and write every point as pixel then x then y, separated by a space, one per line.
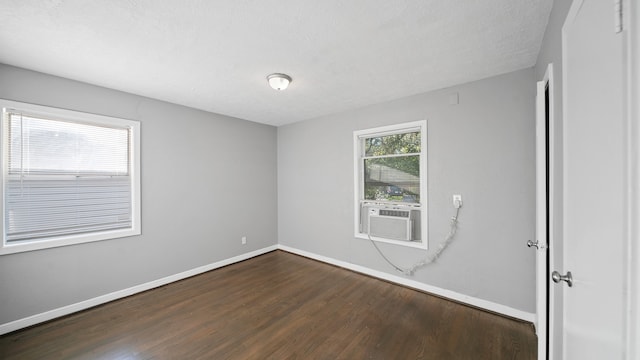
pixel 77 117
pixel 359 137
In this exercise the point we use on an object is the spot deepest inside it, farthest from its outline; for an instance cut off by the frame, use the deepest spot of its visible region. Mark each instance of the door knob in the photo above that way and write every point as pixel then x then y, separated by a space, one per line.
pixel 533 244
pixel 556 277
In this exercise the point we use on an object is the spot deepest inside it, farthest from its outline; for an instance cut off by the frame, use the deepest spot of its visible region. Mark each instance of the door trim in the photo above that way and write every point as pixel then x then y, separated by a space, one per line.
pixel 631 22
pixel 544 170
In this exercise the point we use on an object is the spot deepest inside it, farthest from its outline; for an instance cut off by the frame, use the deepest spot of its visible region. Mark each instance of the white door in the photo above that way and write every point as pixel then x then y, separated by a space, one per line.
pixel 594 163
pixel 541 243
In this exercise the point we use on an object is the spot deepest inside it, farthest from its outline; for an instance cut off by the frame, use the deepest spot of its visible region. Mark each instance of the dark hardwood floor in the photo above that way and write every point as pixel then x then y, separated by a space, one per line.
pixel 276 306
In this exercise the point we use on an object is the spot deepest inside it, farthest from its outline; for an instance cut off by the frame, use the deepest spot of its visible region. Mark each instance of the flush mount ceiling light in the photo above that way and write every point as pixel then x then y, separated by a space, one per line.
pixel 279 81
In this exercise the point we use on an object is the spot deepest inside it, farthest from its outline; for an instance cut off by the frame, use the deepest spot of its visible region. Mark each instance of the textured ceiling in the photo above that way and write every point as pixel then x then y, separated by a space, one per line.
pixel 215 55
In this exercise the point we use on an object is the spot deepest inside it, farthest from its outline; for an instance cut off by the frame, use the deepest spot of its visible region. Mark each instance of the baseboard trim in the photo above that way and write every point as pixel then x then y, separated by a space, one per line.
pixel 469 300
pixel 69 309
pixel 83 305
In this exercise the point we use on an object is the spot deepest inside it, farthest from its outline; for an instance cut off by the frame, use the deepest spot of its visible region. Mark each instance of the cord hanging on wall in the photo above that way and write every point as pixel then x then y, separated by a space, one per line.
pixel 432 257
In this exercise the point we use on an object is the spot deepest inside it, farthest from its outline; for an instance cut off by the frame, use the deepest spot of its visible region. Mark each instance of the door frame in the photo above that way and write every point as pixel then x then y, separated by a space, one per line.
pixel 544 209
pixel 631 20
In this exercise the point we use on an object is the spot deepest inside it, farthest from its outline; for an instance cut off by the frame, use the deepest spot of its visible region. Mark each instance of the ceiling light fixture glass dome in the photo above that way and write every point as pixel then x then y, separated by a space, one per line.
pixel 279 81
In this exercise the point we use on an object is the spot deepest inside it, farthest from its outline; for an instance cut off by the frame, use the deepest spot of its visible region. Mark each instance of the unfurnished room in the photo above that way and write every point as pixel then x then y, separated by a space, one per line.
pixel 320 179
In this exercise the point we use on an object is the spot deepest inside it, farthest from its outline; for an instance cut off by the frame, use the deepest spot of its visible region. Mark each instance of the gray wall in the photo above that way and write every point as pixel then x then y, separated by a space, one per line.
pixel 551 53
pixel 482 148
pixel 207 180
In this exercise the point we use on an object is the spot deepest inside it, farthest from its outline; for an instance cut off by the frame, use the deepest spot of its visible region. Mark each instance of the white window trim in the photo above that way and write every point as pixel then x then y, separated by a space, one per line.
pixel 66 240
pixel 420 125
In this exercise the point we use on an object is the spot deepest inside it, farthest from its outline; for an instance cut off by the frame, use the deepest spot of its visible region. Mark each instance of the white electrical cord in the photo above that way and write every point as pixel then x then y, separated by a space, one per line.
pixel 430 258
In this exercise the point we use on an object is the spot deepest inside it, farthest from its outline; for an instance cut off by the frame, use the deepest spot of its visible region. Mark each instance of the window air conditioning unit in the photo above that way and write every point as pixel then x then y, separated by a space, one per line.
pixel 391 224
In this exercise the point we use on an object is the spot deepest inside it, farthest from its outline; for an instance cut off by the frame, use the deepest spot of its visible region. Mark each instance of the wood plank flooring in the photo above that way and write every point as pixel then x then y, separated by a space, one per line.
pixel 276 306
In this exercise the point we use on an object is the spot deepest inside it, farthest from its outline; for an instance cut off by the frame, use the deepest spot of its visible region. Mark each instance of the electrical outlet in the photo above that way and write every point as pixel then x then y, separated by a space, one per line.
pixel 457 201
pixel 244 240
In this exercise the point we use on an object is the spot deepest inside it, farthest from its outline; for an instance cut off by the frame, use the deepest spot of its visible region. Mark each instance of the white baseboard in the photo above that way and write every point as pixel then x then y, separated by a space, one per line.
pixel 69 309
pixel 480 303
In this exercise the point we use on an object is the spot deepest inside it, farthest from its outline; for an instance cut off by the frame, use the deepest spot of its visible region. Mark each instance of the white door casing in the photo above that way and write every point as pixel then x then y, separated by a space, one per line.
pixel 632 21
pixel 543 196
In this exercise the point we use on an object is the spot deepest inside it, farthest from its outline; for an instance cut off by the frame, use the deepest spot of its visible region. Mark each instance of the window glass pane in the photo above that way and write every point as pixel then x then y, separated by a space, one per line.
pixel 43 146
pixel 395 144
pixel 392 179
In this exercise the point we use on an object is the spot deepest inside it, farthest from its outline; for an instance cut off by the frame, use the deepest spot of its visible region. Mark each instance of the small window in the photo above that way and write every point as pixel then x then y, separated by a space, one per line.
pixel 68 177
pixel 390 173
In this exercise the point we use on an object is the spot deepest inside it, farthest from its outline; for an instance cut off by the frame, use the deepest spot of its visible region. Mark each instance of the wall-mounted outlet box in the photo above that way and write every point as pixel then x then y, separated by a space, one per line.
pixel 244 240
pixel 457 201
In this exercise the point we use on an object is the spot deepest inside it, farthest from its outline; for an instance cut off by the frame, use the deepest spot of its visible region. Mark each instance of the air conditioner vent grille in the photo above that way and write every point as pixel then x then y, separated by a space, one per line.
pixel 395 213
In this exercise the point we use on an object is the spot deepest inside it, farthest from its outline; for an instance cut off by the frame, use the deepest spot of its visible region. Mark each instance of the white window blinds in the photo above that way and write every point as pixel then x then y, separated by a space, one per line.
pixel 64 177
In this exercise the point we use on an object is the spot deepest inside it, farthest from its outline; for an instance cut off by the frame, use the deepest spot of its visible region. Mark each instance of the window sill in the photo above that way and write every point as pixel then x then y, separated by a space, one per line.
pixel 65 241
pixel 411 244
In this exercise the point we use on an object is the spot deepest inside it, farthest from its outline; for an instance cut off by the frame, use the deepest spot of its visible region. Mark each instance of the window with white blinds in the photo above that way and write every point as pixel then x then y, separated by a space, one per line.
pixel 68 176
